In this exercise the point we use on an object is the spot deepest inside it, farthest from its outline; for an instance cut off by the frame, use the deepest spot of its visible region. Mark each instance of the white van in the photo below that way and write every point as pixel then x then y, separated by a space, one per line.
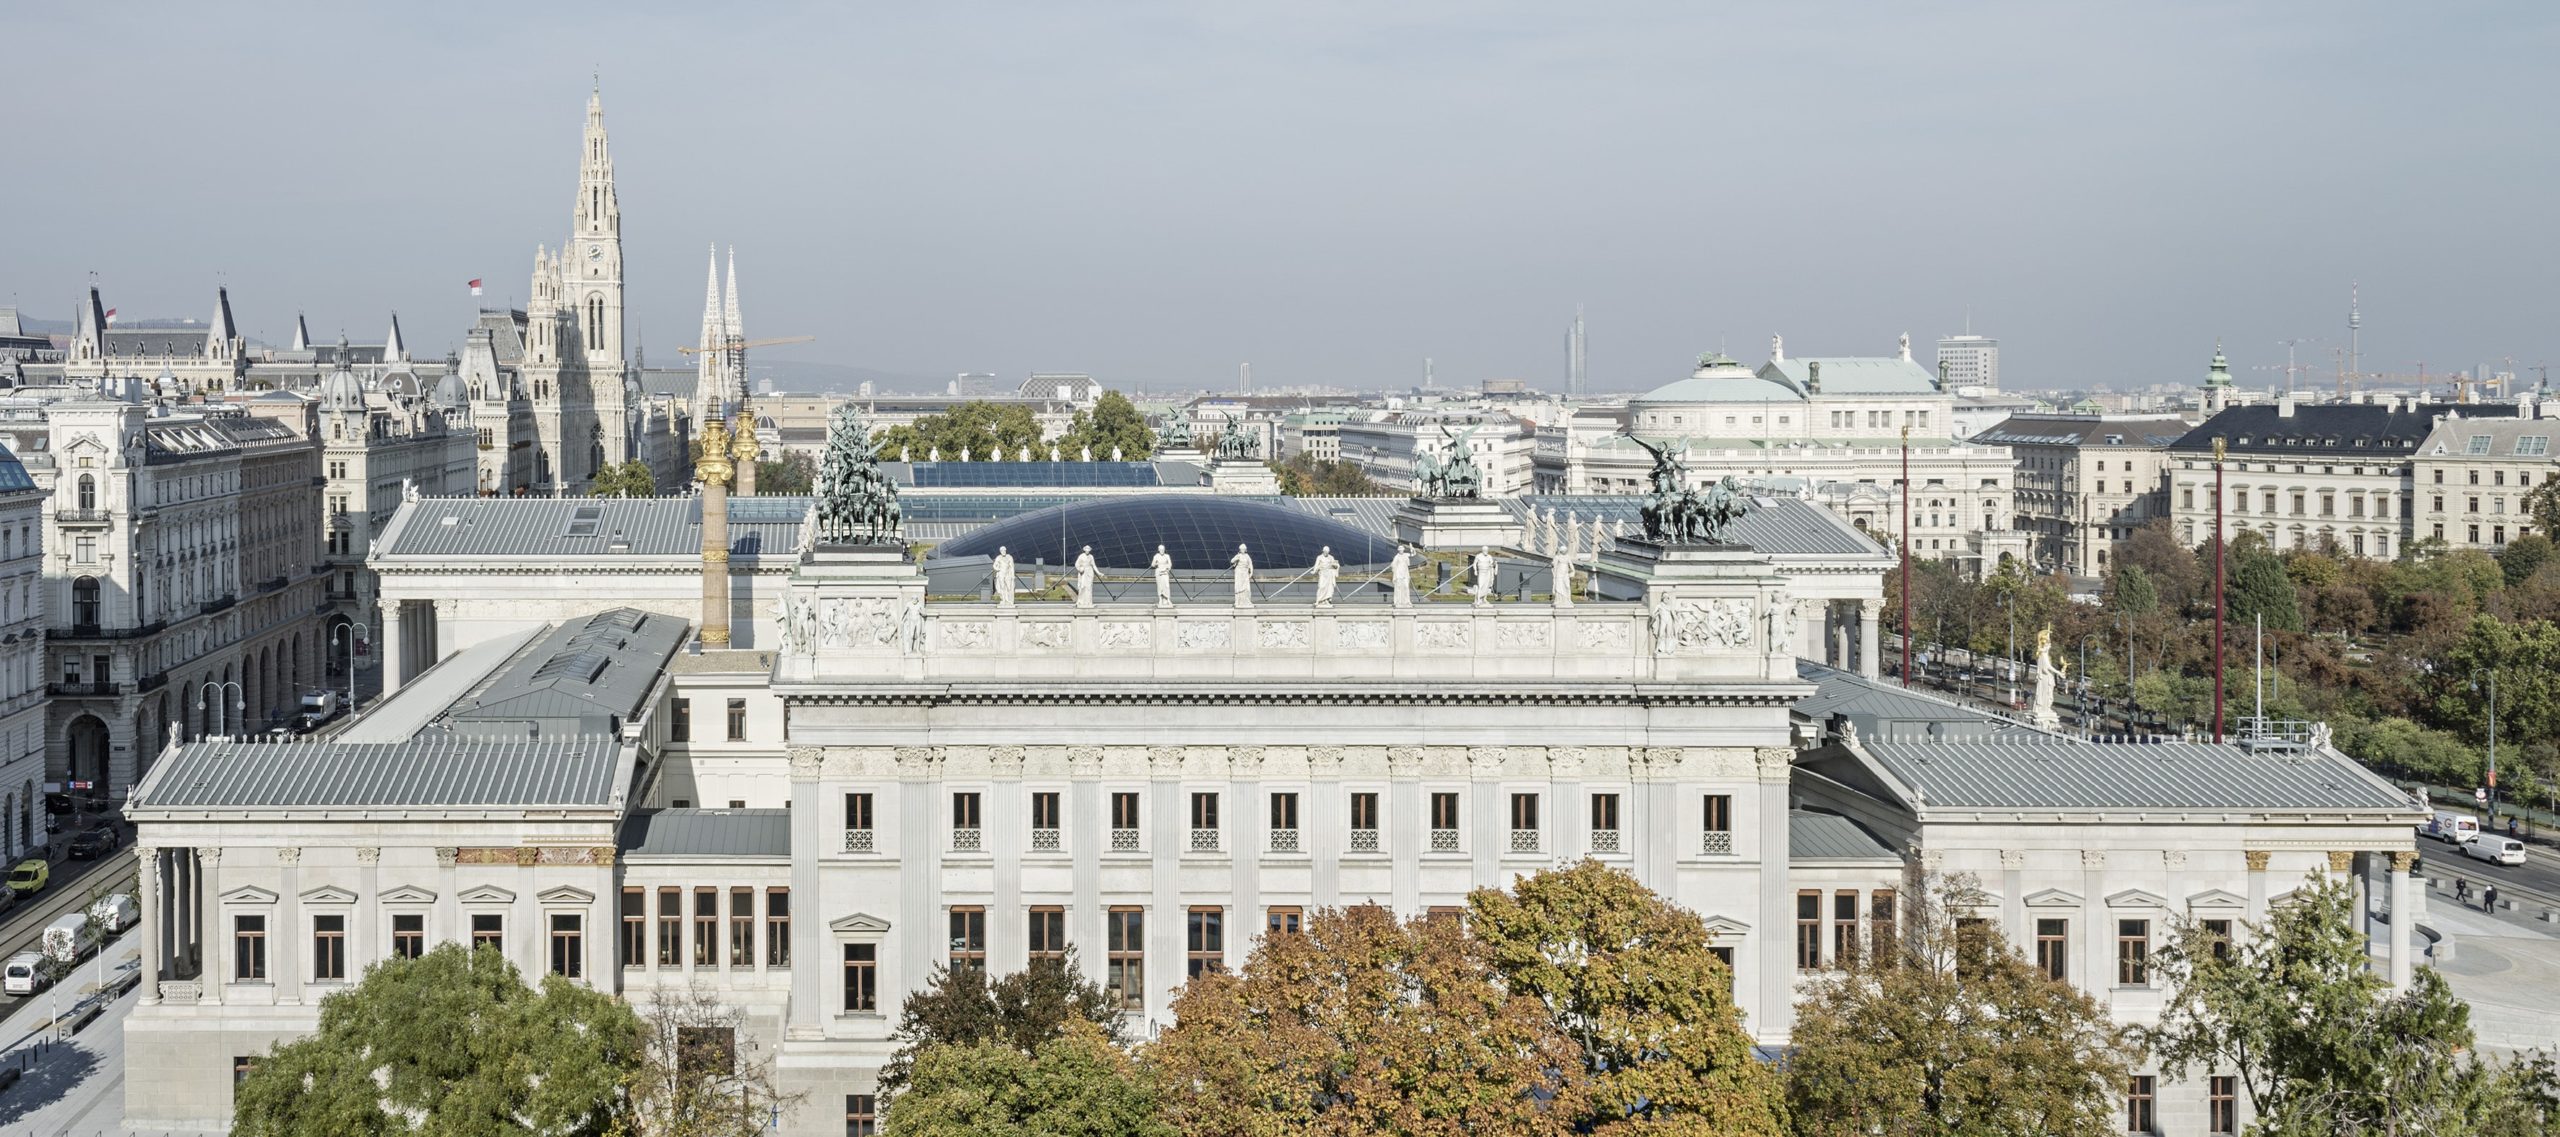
pixel 2451 827
pixel 70 937
pixel 2494 849
pixel 23 974
pixel 115 913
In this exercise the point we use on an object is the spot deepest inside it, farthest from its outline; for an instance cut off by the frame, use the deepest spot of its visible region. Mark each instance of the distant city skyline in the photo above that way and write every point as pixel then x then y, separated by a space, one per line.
pixel 1156 194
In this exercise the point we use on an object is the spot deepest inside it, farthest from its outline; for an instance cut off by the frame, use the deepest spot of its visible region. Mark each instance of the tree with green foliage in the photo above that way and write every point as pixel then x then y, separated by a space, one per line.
pixel 624 479
pixel 1628 976
pixel 2525 658
pixel 1075 1085
pixel 1943 1029
pixel 451 1042
pixel 965 1007
pixel 2259 587
pixel 2320 1045
pixel 1113 421
pixel 2131 592
pixel 792 474
pixel 1363 1023
pixel 1303 475
pixel 977 427
pixel 2523 557
pixel 2544 504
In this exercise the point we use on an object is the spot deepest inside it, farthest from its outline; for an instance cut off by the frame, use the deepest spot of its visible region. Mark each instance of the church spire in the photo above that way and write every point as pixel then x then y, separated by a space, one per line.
pixel 710 390
pixel 222 336
pixel 393 349
pixel 301 333
pixel 89 344
pixel 729 311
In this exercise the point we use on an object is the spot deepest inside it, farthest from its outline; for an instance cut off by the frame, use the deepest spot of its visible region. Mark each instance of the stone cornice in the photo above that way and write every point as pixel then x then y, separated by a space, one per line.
pixel 1619 696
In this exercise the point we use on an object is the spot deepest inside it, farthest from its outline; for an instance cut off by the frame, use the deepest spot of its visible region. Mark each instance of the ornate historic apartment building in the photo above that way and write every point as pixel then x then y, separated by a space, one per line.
pixel 2303 475
pixel 2085 482
pixel 872 786
pixel 2471 476
pixel 379 448
pixel 23 682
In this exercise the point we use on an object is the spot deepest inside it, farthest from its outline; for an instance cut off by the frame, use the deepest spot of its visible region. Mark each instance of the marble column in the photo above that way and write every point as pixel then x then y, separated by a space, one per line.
pixel 155 920
pixel 2258 883
pixel 1869 662
pixel 1772 946
pixel 389 642
pixel 2404 915
pixel 1088 832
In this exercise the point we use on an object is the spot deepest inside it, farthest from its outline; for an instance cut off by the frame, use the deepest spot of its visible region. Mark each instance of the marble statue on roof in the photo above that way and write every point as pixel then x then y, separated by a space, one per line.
pixel 1400 574
pixel 1480 574
pixel 1003 569
pixel 1162 563
pixel 1328 571
pixel 1242 563
pixel 1084 578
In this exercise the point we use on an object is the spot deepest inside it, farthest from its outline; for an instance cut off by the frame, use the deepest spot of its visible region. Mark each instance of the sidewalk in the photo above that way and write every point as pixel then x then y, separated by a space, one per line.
pixel 2508 969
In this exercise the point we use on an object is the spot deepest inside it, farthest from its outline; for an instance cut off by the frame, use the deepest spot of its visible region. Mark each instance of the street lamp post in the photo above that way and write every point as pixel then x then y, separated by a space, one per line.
pixel 2476 673
pixel 2087 725
pixel 239 700
pixel 351 632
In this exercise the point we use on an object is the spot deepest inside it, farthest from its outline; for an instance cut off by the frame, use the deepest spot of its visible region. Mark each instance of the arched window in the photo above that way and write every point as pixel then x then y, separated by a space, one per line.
pixel 88 491
pixel 84 602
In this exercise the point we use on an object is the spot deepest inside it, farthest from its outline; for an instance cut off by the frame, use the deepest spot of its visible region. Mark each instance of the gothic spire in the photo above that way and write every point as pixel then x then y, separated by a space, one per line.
pixel 301 333
pixel 729 312
pixel 90 343
pixel 393 350
pixel 218 338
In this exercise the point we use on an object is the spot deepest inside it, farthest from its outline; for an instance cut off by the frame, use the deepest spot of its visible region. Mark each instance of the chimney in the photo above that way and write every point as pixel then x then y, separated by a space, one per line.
pixel 1813 377
pixel 2284 405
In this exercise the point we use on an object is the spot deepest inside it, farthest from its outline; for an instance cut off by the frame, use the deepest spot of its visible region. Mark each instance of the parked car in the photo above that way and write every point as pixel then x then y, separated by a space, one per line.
pixel 31 875
pixel 93 842
pixel 23 974
pixel 2494 849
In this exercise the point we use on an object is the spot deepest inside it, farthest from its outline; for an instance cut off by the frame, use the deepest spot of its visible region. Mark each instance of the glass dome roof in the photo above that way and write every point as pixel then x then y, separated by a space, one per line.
pixel 1200 530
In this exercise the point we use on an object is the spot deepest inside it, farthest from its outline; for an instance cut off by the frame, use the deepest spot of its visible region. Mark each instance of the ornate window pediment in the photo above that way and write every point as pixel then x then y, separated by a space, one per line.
pixel 328 894
pixel 248 894
pixel 2137 898
pixel 860 927
pixel 2053 898
pixel 565 894
pixel 408 894
pixel 2217 898
pixel 1726 927
pixel 487 894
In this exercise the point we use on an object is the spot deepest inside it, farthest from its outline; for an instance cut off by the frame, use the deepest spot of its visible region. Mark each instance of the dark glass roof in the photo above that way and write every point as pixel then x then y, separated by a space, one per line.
pixel 1200 530
pixel 1009 474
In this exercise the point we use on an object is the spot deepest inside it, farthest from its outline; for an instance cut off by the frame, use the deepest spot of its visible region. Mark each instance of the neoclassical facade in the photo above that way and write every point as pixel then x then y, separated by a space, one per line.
pixel 882 783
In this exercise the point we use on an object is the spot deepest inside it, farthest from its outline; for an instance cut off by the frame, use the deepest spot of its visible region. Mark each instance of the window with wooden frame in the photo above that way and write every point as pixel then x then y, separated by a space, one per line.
pixel 737 720
pixel 2133 953
pixel 1444 811
pixel 742 927
pixel 1364 811
pixel 968 938
pixel 1124 810
pixel 680 721
pixel 706 927
pixel 1844 927
pixel 1524 811
pixel 2053 947
pixel 1048 938
pixel 635 927
pixel 1046 812
pixel 329 946
pixel 408 934
pixel 1809 930
pixel 568 945
pixel 1125 956
pixel 489 930
pixel 2139 1115
pixel 857 811
pixel 1284 811
pixel 1718 814
pixel 1884 935
pixel 1204 941
pixel 965 811
pixel 2222 1105
pixel 861 1116
pixel 249 947
pixel 1284 920
pixel 1604 813
pixel 777 927
pixel 1724 955
pixel 670 927
pixel 862 977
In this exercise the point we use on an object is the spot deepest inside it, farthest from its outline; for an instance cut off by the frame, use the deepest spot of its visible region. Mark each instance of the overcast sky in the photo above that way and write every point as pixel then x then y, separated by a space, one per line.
pixel 1156 192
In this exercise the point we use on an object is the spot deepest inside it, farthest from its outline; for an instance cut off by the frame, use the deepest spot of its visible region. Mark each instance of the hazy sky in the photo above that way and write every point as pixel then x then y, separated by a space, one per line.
pixel 1155 192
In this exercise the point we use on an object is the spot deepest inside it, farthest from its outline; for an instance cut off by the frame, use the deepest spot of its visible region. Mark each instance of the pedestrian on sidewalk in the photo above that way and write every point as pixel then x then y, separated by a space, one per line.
pixel 2489 899
pixel 2462 892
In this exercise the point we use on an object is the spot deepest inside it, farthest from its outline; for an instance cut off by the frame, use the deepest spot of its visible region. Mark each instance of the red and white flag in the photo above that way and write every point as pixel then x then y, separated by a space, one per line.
pixel 475 288
pixel 111 315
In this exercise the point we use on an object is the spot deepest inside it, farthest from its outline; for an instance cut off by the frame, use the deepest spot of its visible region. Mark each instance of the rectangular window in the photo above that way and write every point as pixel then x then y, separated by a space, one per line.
pixel 861 1117
pixel 742 927
pixel 568 945
pixel 1844 927
pixel 737 720
pixel 1284 811
pixel 1444 811
pixel 1719 813
pixel 1124 811
pixel 635 927
pixel 862 977
pixel 2138 1117
pixel 2222 1105
pixel 1883 933
pixel 2133 953
pixel 1125 969
pixel 964 810
pixel 1364 811
pixel 409 934
pixel 670 927
pixel 2053 948
pixel 1524 811
pixel 1809 930
pixel 1604 812
pixel 777 927
pixel 329 947
pixel 1048 933
pixel 1204 811
pixel 241 1065
pixel 1284 920
pixel 968 938
pixel 706 927
pixel 489 930
pixel 680 721
pixel 1204 941
pixel 857 812
pixel 2220 933
pixel 1045 811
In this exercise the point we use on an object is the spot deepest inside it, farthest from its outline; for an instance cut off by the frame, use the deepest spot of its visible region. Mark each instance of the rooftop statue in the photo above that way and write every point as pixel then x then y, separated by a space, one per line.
pixel 1233 442
pixel 1676 514
pixel 1449 469
pixel 856 503
pixel 1176 434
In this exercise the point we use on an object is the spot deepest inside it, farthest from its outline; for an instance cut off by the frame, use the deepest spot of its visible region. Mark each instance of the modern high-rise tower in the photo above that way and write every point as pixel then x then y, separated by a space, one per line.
pixel 1969 360
pixel 1576 365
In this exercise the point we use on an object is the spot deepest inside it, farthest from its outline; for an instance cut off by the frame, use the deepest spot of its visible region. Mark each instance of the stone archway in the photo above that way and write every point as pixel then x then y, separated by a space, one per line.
pixel 86 741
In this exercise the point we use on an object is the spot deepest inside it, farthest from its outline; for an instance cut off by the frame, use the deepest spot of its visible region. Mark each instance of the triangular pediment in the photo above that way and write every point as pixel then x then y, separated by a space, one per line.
pixel 2217 898
pixel 565 894
pixel 248 894
pixel 859 924
pixel 328 894
pixel 1726 926
pixel 2053 898
pixel 487 894
pixel 2137 898
pixel 408 894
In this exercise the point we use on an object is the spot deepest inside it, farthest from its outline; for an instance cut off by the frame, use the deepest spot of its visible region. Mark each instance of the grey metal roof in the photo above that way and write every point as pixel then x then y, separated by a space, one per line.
pixel 587 676
pixel 1783 525
pixel 434 769
pixel 2082 430
pixel 708 833
pixel 2023 768
pixel 2345 431
pixel 1886 711
pixel 550 528
pixel 421 701
pixel 1815 836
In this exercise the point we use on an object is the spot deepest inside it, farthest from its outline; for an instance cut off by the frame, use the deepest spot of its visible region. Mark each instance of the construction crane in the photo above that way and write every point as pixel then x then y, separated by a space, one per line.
pixel 742 345
pixel 2290 369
